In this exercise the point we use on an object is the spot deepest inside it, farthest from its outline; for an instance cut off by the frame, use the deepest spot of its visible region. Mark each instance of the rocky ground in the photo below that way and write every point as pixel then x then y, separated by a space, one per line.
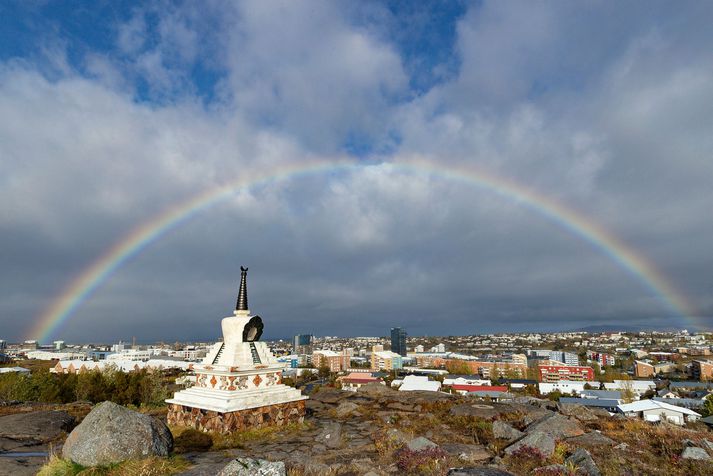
pixel 379 431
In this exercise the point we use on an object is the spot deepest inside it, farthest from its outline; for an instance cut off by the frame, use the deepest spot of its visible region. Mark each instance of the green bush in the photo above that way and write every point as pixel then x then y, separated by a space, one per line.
pixel 139 388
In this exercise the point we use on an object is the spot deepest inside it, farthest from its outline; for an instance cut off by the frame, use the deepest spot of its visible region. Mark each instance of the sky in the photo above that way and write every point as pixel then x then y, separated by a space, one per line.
pixel 112 113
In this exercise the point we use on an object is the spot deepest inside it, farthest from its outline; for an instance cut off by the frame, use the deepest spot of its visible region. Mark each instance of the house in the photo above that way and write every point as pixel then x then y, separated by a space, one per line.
pixel 463 389
pixel 416 382
pixel 355 380
pixel 517 382
pixel 495 396
pixel 638 387
pixel 692 403
pixel 464 380
pixel 19 370
pixel 652 410
pixel 602 394
pixel 607 404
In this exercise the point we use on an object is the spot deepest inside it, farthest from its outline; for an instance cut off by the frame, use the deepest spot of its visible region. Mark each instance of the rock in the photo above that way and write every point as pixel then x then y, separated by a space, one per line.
pixel 253 467
pixel 111 433
pixel 39 426
pixel 503 431
pixel 541 441
pixel 692 452
pixel 621 446
pixel 393 435
pixel 467 453
pixel 486 412
pixel 580 412
pixel 345 409
pixel 557 426
pixel 707 444
pixel 593 438
pixel 584 463
pixel 404 407
pixel 478 471
pixel 420 443
pixel 376 390
pixel 330 395
pixel 331 435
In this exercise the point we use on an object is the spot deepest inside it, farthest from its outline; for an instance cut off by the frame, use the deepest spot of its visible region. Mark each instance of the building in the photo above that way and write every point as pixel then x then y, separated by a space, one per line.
pixel 568 358
pixel 463 389
pixel 17 370
pixel 417 382
pixel 555 373
pixel 398 341
pixel 418 348
pixel 302 344
pixel 607 404
pixel 439 348
pixel 385 360
pixel 3 345
pixel 335 361
pixel 603 359
pixel 562 386
pixel 643 369
pixel 702 370
pixel 59 345
pixel 652 410
pixel 464 380
pixel 355 380
pixel 239 383
pixel 30 344
pixel 638 387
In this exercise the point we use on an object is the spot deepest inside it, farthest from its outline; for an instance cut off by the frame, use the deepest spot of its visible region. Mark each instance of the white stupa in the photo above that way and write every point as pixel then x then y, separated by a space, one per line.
pixel 238 384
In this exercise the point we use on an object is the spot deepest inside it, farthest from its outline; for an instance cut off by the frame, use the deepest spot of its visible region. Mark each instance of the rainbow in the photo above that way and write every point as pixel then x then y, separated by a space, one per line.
pixel 91 278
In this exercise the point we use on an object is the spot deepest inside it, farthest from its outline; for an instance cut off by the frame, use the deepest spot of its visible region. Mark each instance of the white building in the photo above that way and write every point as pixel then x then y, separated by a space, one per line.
pixel 465 380
pixel 416 382
pixel 652 410
pixel 418 348
pixel 563 386
pixel 639 387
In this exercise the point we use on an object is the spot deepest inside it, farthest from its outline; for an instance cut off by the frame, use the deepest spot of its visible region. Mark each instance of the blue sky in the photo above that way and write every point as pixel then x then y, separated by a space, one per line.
pixel 113 112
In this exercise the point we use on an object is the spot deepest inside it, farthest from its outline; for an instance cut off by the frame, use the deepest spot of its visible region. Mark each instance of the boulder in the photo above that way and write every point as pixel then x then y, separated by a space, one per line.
pixel 420 443
pixel 486 412
pixel 707 444
pixel 111 433
pixel 580 412
pixel 582 460
pixel 376 390
pixel 478 471
pixel 330 395
pixel 693 452
pixel 345 409
pixel 40 426
pixel 253 467
pixel 331 435
pixel 557 426
pixel 541 441
pixel 504 431
pixel 593 438
pixel 467 453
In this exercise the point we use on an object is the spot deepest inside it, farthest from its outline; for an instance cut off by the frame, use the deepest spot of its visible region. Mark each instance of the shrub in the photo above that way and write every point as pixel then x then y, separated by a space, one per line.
pixel 425 461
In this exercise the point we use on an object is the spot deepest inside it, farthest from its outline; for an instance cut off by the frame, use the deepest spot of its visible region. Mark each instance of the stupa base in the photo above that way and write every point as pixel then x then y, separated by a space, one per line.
pixel 279 414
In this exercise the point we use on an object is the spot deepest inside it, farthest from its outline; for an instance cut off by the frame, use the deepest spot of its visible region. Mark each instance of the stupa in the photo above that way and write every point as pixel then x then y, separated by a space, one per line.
pixel 239 383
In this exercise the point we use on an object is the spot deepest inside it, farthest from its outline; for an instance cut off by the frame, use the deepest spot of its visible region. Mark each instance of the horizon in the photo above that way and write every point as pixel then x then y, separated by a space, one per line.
pixel 460 167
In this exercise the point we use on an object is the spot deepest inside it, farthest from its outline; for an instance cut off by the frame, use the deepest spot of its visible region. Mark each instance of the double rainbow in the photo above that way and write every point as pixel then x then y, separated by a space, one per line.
pixel 133 243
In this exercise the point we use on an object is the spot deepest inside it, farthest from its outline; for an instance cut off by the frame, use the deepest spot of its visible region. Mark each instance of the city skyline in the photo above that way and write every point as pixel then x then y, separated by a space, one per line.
pixel 458 168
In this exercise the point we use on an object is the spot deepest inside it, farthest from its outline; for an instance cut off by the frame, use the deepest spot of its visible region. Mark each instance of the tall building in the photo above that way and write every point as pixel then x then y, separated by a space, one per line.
pixel 398 341
pixel 302 344
pixel 3 345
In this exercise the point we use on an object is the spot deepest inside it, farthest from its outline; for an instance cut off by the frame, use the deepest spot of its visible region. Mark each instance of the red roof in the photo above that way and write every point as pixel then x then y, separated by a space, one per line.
pixel 480 388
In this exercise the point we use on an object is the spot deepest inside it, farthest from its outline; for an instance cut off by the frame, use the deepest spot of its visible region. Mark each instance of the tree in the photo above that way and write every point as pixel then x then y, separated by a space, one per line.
pixel 708 406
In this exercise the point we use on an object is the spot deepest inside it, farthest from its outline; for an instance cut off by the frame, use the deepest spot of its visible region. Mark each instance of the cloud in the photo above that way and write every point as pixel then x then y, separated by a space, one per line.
pixel 607 116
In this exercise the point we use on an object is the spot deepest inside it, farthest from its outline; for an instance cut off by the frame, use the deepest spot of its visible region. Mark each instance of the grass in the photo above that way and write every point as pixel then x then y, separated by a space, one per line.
pixel 152 466
pixel 188 438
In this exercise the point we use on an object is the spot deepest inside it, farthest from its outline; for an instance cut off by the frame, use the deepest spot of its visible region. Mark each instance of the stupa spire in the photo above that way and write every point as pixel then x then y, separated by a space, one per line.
pixel 242 304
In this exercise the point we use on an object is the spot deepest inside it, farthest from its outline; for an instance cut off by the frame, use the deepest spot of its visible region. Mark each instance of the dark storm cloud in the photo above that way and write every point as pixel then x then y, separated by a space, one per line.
pixel 606 113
